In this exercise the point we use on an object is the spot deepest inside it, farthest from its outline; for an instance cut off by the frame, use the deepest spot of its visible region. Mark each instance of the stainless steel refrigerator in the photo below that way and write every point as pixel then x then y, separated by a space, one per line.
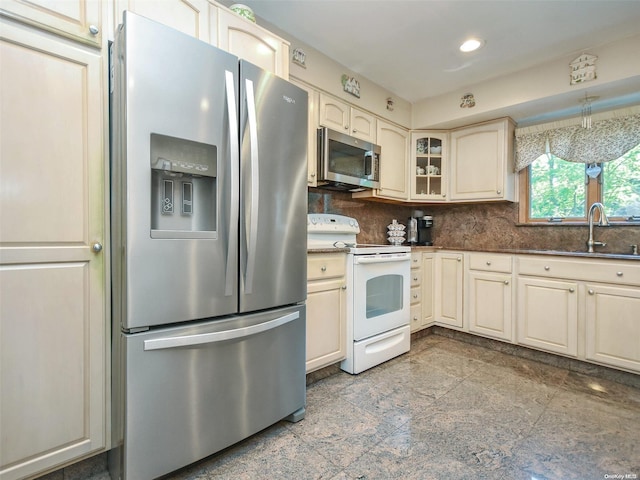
pixel 208 209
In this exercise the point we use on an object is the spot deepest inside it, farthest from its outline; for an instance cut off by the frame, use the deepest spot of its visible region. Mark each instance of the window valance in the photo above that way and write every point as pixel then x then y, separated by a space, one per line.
pixel 612 135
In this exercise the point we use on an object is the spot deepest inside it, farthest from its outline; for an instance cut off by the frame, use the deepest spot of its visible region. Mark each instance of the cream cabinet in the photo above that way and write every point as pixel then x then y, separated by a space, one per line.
pixel 312 132
pixel 197 18
pixel 416 291
pixel 79 20
pixel 342 117
pixel 481 162
pixel 394 147
pixel 613 325
pixel 428 289
pixel 449 274
pixel 548 314
pixel 428 169
pixel 326 309
pixel 54 354
pixel 253 43
pixel 490 295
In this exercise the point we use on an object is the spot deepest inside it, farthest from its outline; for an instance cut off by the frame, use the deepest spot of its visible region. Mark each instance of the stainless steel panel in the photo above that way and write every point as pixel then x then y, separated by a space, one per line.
pixel 170 84
pixel 273 162
pixel 192 391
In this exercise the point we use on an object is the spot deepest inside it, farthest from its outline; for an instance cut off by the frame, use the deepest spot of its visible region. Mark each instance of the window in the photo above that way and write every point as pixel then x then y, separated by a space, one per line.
pixel 554 190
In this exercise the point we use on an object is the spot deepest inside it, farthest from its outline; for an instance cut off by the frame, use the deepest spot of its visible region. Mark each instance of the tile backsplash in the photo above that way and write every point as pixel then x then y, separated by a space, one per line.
pixel 472 226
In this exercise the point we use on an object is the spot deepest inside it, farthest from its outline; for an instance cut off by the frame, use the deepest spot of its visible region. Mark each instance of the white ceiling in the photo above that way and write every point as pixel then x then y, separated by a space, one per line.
pixel 410 47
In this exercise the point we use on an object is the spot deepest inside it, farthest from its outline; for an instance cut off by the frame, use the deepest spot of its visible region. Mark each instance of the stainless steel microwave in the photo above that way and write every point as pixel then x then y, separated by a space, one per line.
pixel 347 163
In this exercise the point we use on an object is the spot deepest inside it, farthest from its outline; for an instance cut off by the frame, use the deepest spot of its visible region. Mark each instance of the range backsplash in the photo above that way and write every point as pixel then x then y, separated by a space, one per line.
pixel 487 226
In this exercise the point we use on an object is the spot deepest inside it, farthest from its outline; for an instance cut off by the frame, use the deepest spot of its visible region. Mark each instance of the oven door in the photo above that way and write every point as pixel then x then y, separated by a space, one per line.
pixel 381 288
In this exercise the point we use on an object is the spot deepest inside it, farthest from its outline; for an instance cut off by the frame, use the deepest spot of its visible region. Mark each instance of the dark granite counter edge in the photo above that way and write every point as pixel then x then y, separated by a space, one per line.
pixel 515 251
pixel 328 250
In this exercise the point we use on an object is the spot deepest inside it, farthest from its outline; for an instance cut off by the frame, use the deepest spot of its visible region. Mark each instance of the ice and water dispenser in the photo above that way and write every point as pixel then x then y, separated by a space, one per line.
pixel 183 188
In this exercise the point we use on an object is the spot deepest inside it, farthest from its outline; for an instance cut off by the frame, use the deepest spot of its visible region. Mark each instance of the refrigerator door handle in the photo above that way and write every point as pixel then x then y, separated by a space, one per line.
pixel 213 337
pixel 252 235
pixel 234 204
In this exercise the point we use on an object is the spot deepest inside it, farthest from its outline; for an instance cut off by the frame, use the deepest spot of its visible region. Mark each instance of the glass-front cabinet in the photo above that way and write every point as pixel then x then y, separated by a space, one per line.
pixel 429 165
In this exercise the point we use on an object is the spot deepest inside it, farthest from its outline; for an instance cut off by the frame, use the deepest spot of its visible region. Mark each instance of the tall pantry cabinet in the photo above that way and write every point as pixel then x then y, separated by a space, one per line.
pixel 54 345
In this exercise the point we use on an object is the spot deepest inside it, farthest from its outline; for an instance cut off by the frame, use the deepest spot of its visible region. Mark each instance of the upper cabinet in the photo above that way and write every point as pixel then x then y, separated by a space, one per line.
pixel 80 20
pixel 312 133
pixel 428 170
pixel 481 161
pixel 253 43
pixel 342 117
pixel 214 24
pixel 191 17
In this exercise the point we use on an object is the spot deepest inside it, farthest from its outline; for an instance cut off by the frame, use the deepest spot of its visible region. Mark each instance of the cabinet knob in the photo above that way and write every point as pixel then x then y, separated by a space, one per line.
pixel 459 259
pixel 93 30
pixel 323 269
pixel 96 247
pixel 415 319
pixel 499 192
pixel 312 175
pixel 346 127
pixel 547 267
pixel 344 287
pixel 591 292
pixel 415 279
pixel 444 195
pixel 488 263
pixel 571 290
pixel 619 274
pixel 506 282
pixel 415 295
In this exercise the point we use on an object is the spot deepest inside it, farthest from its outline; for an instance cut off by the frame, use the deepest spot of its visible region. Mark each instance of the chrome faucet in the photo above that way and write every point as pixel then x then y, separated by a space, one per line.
pixel 604 222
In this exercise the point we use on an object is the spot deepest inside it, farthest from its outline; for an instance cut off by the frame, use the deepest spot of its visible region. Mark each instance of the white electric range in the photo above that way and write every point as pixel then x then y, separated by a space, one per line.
pixel 378 291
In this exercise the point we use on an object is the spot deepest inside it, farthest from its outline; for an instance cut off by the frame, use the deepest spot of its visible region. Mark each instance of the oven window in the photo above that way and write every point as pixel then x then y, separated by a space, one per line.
pixel 384 295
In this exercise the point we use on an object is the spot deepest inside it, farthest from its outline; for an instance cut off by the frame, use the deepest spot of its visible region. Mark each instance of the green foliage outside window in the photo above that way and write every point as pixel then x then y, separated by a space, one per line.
pixel 558 189
pixel 621 185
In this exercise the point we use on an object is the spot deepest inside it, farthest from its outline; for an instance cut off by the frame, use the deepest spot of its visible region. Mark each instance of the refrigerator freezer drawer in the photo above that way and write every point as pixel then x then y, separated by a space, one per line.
pixel 192 391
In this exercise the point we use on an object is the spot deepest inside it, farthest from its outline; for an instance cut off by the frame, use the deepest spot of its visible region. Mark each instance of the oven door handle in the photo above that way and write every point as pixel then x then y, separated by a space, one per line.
pixel 375 259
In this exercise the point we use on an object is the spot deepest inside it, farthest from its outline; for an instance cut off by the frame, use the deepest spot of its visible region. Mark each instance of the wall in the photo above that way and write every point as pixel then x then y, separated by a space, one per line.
pixel 474 226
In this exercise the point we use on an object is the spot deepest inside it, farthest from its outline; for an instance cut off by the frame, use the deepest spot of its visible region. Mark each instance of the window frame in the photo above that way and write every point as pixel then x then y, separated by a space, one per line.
pixel 594 194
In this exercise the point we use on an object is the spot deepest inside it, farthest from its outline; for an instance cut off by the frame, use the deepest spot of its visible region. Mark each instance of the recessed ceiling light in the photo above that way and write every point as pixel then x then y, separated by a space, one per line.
pixel 471 45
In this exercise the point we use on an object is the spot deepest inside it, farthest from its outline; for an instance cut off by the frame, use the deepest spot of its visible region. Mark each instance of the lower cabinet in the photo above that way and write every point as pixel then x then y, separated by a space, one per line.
pixel 416 291
pixel 548 315
pixel 613 325
pixel 326 309
pixel 448 289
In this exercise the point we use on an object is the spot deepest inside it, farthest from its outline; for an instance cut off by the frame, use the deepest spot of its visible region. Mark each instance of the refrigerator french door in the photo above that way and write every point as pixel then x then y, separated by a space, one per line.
pixel 208 214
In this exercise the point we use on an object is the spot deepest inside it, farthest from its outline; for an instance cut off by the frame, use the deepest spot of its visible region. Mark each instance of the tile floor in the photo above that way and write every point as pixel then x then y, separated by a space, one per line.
pixel 447 410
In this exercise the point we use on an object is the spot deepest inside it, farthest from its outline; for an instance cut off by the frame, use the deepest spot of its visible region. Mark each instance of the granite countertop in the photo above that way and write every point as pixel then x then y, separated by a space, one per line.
pixel 328 250
pixel 518 251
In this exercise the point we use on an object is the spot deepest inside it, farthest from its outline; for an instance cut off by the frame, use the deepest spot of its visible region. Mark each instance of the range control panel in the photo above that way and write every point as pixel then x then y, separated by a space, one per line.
pixel 326 229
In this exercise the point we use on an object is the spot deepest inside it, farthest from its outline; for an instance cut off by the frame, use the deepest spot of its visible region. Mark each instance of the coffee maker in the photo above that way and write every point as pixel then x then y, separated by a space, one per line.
pixel 420 229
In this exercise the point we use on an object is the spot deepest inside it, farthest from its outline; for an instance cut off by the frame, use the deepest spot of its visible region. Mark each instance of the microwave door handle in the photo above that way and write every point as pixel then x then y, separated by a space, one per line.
pixel 252 235
pixel 234 167
pixel 213 337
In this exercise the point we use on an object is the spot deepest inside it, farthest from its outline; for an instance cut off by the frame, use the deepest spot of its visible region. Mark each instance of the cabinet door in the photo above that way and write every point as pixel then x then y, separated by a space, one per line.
pixel 490 301
pixel 312 133
pixel 613 326
pixel 548 314
pixel 188 16
pixel 363 125
pixel 334 114
pixel 428 271
pixel 448 303
pixel 326 310
pixel 479 166
pixel 253 43
pixel 394 144
pixel 53 345
pixel 80 20
pixel 428 169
